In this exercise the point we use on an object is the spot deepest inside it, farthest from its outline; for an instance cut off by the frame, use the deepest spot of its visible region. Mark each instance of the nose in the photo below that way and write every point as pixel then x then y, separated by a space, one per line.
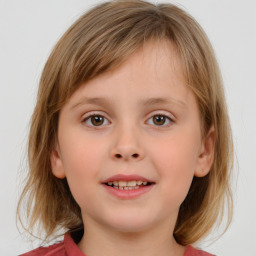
pixel 127 145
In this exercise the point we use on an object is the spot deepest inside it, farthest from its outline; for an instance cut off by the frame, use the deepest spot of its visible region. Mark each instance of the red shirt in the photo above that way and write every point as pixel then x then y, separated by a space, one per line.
pixel 69 248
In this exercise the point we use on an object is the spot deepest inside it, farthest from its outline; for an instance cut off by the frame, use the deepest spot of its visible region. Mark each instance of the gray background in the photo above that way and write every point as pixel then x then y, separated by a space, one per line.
pixel 28 31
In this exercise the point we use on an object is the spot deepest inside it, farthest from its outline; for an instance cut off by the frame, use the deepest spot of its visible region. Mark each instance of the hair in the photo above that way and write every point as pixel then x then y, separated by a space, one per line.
pixel 99 41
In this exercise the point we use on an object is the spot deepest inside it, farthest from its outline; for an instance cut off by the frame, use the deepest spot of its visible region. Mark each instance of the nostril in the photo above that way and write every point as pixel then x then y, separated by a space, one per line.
pixel 133 155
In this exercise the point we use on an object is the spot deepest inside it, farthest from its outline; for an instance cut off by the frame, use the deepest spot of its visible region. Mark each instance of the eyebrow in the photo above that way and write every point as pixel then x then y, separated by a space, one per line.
pixel 104 102
pixel 167 100
pixel 93 101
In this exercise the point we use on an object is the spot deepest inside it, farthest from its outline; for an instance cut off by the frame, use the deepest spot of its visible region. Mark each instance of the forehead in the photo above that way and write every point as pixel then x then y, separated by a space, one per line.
pixel 153 74
pixel 159 56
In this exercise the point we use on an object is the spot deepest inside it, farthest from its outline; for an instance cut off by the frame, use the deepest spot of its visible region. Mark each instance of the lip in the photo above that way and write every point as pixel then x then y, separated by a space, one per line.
pixel 124 177
pixel 128 194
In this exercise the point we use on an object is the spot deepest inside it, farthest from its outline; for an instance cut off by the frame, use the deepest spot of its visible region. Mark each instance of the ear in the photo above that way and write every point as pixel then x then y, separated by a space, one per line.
pixel 56 163
pixel 206 154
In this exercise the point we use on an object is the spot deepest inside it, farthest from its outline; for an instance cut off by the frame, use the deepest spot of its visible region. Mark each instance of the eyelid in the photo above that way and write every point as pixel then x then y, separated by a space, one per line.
pixel 86 116
pixel 168 115
pixel 162 113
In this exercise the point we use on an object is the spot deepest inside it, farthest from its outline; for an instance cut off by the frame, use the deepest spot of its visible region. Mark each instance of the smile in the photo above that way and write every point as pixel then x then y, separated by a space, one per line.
pixel 128 185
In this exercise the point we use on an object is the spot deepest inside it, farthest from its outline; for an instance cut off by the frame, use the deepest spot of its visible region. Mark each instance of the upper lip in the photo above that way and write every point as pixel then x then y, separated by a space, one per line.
pixel 124 177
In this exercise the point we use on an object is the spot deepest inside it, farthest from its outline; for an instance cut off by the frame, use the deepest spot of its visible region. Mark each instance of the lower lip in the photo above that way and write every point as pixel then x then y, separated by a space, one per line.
pixel 128 194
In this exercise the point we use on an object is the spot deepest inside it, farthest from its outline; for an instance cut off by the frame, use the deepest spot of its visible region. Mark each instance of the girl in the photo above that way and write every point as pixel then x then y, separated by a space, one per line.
pixel 130 148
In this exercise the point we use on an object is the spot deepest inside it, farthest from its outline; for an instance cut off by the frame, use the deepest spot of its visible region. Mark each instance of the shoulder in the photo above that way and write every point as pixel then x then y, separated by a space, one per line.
pixel 68 247
pixel 52 250
pixel 191 251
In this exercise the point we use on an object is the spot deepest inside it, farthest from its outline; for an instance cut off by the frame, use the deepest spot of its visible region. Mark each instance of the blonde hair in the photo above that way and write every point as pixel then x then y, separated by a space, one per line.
pixel 102 39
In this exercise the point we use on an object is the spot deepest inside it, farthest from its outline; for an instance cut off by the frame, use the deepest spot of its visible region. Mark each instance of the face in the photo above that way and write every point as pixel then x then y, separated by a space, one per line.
pixel 129 142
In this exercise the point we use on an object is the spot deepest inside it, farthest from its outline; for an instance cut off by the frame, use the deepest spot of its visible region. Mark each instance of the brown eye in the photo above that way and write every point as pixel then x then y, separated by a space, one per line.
pixel 96 120
pixel 159 120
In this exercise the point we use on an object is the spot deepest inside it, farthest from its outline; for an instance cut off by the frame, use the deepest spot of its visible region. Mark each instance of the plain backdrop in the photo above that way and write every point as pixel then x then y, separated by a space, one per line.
pixel 28 31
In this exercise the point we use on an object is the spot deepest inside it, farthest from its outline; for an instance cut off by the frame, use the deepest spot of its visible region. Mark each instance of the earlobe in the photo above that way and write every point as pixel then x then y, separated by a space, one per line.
pixel 56 164
pixel 206 154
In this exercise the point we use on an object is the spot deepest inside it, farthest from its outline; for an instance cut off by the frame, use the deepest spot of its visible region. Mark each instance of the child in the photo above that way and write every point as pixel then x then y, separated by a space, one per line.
pixel 130 149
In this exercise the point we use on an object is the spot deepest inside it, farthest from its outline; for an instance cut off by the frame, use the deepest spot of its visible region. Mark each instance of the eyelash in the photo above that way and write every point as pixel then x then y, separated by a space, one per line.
pixel 166 118
pixel 89 118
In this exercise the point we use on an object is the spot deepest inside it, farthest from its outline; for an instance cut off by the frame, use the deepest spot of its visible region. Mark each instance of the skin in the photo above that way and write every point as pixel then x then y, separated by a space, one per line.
pixel 130 141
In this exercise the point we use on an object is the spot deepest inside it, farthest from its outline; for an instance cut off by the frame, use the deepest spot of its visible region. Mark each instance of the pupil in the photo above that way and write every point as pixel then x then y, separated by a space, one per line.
pixel 159 120
pixel 97 120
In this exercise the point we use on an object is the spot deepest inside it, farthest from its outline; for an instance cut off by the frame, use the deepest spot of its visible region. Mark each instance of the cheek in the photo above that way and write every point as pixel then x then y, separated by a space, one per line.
pixel 81 162
pixel 80 153
pixel 175 161
pixel 178 154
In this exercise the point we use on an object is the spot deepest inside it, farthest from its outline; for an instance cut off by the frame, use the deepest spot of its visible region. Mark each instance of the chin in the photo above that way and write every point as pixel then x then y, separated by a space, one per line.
pixel 131 224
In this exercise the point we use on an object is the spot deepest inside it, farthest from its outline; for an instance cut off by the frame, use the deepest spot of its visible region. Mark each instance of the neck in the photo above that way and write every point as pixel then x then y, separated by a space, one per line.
pixel 98 241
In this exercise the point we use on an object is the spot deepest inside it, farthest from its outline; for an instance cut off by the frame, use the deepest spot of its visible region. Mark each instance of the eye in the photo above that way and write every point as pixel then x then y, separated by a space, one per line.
pixel 95 120
pixel 160 120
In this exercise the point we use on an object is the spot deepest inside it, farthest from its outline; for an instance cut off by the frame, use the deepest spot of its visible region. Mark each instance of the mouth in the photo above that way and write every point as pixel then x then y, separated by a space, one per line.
pixel 128 186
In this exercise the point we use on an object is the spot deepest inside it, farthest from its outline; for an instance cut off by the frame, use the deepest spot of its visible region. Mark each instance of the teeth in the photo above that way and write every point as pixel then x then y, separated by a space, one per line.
pixel 131 183
pixel 123 185
pixel 127 188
